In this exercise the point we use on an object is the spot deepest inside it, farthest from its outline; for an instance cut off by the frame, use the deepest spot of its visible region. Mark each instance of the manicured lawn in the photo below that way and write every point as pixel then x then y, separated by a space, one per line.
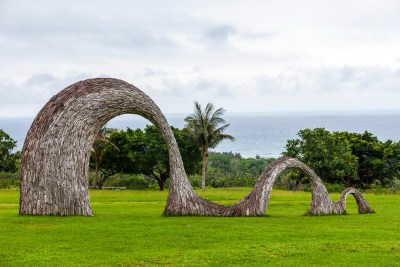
pixel 128 230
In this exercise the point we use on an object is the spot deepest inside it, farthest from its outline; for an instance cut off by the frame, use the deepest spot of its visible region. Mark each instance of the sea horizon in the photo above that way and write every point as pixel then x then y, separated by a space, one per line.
pixel 263 113
pixel 257 133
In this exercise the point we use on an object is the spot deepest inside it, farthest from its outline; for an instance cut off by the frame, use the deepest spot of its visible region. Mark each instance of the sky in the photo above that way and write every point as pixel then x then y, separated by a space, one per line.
pixel 244 56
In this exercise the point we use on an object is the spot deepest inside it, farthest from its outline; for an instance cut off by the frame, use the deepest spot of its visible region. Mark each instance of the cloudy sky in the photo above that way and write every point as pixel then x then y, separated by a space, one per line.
pixel 245 56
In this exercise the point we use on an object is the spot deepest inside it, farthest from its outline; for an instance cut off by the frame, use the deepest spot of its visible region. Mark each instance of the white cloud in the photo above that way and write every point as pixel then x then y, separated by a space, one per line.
pixel 245 56
pixel 329 80
pixel 27 98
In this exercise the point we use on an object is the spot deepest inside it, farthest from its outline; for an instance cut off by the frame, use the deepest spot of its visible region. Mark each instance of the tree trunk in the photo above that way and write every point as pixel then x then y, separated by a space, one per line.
pixel 204 170
pixel 161 184
pixel 96 178
pixel 100 183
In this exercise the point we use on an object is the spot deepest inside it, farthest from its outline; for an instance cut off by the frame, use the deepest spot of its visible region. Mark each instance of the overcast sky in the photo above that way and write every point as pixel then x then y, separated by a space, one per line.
pixel 245 56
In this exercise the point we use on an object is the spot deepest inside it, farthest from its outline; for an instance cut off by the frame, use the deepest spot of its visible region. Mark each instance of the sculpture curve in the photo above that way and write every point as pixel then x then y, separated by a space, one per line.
pixel 55 157
pixel 363 206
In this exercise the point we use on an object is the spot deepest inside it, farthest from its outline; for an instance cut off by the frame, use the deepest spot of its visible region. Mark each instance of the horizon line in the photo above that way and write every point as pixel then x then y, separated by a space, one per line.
pixel 270 112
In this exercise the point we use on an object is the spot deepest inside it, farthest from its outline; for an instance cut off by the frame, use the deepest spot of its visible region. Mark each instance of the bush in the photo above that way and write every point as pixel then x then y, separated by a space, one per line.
pixel 395 186
pixel 229 169
pixel 130 181
pixel 195 180
pixel 137 182
pixel 334 188
pixel 9 180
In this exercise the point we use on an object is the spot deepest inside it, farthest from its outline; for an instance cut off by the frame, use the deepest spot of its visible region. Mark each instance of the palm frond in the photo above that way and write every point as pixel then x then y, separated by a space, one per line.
pixel 204 125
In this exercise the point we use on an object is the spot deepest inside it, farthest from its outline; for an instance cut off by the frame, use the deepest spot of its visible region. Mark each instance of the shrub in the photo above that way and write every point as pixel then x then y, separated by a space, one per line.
pixel 9 180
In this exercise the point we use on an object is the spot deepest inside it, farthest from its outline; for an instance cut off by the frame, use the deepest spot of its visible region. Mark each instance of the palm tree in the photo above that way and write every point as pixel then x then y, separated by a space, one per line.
pixel 204 126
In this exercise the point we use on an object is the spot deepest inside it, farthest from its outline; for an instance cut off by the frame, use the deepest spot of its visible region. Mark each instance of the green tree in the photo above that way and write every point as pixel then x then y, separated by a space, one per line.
pixel 145 152
pixel 391 153
pixel 326 153
pixel 99 147
pixel 116 156
pixel 151 156
pixel 377 161
pixel 353 159
pixel 8 160
pixel 207 128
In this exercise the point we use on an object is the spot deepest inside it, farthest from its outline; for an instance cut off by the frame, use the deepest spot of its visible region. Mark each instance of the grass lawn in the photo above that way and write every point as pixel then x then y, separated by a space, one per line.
pixel 128 230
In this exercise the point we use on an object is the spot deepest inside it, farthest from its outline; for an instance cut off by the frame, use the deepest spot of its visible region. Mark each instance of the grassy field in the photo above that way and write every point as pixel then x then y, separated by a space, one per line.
pixel 128 230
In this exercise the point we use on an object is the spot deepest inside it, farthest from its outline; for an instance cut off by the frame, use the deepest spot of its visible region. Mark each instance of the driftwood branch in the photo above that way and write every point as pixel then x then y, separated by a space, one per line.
pixel 55 158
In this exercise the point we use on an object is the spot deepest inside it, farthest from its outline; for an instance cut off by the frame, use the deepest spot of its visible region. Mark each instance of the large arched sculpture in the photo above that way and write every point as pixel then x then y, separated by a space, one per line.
pixel 55 158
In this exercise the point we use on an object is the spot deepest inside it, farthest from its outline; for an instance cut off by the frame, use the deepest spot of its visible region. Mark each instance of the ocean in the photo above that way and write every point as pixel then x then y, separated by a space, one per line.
pixel 263 134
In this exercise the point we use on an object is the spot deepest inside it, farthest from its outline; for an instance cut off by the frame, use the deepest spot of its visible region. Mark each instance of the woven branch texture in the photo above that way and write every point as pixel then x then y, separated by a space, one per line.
pixel 55 158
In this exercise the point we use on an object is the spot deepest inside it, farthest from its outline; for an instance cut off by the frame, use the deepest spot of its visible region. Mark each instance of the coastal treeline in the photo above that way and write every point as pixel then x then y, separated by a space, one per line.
pixel 138 159
pixel 341 159
pixel 350 159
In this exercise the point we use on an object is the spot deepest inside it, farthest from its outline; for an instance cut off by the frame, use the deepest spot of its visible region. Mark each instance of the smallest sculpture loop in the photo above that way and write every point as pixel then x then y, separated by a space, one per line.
pixel 56 152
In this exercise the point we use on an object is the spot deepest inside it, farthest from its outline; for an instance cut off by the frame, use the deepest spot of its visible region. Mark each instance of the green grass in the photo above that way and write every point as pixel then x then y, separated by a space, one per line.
pixel 128 230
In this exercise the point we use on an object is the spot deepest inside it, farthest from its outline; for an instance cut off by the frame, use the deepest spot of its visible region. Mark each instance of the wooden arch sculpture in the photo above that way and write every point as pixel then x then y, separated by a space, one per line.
pixel 55 158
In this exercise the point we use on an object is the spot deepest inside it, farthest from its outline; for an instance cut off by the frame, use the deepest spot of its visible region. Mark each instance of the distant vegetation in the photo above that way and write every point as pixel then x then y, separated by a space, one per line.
pixel 138 159
pixel 225 169
pixel 229 169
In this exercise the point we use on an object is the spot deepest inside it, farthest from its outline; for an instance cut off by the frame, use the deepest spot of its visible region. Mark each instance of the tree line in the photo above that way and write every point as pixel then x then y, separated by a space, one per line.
pixel 145 152
pixel 138 158
pixel 351 159
pixel 140 152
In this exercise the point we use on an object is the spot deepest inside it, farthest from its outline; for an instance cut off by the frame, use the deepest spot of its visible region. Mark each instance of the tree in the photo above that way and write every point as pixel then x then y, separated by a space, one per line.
pixel 353 159
pixel 99 147
pixel 8 160
pixel 205 127
pixel 151 156
pixel 145 152
pixel 117 156
pixel 391 153
pixel 377 161
pixel 152 159
pixel 326 153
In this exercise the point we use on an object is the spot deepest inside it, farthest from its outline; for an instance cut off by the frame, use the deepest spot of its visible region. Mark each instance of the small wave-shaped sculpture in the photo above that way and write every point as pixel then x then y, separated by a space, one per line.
pixel 56 152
